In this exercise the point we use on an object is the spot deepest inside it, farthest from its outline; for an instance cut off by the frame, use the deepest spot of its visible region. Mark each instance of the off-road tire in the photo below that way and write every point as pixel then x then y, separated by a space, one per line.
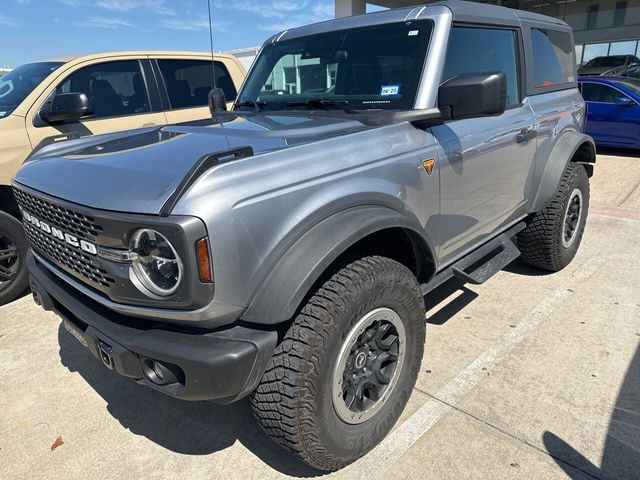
pixel 12 229
pixel 293 401
pixel 541 243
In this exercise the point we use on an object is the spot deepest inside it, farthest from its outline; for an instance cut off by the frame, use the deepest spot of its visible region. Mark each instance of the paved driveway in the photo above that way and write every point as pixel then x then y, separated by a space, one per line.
pixel 528 376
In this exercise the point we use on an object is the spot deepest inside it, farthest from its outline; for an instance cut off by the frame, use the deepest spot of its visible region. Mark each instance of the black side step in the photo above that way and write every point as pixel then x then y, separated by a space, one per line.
pixel 483 263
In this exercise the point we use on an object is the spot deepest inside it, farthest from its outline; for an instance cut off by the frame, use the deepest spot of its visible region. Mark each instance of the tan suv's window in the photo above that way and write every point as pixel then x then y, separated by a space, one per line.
pixel 188 82
pixel 115 88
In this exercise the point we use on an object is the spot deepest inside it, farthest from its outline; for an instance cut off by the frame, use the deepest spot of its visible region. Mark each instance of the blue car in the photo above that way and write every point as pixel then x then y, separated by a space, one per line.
pixel 614 110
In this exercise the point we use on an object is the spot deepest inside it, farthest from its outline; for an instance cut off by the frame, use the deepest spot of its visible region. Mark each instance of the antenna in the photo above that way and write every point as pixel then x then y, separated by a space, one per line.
pixel 213 65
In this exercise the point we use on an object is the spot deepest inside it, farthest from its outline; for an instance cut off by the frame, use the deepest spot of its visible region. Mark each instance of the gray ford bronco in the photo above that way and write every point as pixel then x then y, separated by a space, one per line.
pixel 283 250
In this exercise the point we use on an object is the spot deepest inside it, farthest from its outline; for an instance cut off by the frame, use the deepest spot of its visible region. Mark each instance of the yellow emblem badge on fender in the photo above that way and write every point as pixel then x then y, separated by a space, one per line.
pixel 428 165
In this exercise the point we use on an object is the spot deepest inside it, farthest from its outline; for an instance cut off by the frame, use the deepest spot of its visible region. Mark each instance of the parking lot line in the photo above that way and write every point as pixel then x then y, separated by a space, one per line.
pixel 405 435
pixel 615 212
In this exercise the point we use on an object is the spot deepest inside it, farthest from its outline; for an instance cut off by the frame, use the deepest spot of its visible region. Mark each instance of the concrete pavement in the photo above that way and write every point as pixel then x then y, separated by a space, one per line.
pixel 531 375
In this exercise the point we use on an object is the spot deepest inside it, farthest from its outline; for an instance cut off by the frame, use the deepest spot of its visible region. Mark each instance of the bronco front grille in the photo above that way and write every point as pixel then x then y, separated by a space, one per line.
pixel 76 223
pixel 65 256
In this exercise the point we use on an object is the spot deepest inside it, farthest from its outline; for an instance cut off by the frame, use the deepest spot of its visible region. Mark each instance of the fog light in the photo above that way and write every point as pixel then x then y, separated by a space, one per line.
pixel 158 371
pixel 161 373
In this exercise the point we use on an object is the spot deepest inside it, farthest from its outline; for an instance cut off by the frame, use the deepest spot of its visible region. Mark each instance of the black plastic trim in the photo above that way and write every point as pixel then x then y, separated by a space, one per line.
pixel 290 280
pixel 484 252
pixel 223 365
pixel 117 229
pixel 199 168
pixel 162 86
pixel 151 85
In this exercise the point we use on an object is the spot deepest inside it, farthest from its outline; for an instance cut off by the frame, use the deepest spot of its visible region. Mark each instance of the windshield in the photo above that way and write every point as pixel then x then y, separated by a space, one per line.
pixel 367 68
pixel 18 83
pixel 631 84
pixel 605 62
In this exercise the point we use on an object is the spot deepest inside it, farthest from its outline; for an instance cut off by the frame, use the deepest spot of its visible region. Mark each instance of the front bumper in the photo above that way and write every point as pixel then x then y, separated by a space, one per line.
pixel 222 365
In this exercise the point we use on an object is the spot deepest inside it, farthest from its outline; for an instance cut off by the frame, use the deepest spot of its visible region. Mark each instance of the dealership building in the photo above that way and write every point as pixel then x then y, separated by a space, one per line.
pixel 601 27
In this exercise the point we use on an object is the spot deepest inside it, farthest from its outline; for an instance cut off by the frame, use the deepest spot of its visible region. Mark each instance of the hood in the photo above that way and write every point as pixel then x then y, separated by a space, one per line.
pixel 139 170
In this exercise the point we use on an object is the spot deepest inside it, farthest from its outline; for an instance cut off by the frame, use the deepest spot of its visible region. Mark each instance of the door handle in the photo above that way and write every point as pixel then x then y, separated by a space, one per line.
pixel 526 134
pixel 149 125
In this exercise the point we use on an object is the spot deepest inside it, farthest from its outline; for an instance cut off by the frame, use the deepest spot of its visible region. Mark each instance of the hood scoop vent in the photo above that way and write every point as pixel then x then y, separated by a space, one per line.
pixel 198 169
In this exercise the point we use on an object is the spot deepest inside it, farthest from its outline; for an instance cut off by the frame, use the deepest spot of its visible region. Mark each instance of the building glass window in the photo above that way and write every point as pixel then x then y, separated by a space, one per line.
pixel 601 13
pixel 620 13
pixel 511 3
pixel 632 14
pixel 623 48
pixel 594 50
pixel 576 15
pixel 552 57
pixel 579 49
pixel 554 8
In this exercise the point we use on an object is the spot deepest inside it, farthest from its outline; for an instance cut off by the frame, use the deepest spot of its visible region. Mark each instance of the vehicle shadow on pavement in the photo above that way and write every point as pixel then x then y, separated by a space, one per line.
pixel 191 428
pixel 454 304
pixel 621 454
pixel 518 267
pixel 619 152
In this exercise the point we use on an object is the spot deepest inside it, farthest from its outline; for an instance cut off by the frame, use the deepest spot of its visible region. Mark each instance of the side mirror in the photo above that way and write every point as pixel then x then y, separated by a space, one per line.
pixel 624 101
pixel 473 95
pixel 67 106
pixel 217 101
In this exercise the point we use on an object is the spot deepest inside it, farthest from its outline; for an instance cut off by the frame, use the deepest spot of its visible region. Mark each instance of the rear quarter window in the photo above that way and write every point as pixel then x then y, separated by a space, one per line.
pixel 553 61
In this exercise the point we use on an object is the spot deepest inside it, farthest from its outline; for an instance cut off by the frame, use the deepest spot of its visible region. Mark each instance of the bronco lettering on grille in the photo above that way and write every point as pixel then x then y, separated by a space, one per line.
pixel 59 234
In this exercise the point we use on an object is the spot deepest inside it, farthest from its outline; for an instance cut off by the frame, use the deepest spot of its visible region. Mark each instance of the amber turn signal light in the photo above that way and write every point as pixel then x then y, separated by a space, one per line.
pixel 204 261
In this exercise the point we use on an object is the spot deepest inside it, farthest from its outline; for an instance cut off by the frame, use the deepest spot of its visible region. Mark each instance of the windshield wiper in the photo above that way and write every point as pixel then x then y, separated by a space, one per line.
pixel 322 103
pixel 258 105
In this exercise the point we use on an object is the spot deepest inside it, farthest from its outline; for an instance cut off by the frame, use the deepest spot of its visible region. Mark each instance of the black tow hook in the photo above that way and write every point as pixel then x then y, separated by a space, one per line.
pixel 36 298
pixel 105 354
pixel 41 298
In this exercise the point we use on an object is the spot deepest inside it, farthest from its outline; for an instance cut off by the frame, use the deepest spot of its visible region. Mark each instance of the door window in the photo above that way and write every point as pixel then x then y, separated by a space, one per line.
pixel 479 50
pixel 188 82
pixel 596 92
pixel 114 88
pixel 553 61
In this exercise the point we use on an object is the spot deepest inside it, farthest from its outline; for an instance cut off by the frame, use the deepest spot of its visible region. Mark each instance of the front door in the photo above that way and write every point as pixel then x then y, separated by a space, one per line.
pixel 486 164
pixel 614 118
pixel 119 95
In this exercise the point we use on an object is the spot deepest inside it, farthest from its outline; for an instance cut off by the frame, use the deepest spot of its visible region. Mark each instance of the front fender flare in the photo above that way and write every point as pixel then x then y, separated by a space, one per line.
pixel 301 266
pixel 564 151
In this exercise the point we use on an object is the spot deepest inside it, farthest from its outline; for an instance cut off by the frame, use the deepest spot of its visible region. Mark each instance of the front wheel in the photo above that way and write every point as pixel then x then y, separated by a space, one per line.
pixel 553 235
pixel 13 252
pixel 345 369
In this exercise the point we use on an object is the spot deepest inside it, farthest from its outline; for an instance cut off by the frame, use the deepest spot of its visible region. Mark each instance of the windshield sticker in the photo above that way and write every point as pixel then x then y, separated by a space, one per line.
pixel 2 114
pixel 388 90
pixel 413 33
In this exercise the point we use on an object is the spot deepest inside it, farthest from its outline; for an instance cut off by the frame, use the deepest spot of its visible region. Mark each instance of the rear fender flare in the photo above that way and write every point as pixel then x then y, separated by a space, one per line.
pixel 565 150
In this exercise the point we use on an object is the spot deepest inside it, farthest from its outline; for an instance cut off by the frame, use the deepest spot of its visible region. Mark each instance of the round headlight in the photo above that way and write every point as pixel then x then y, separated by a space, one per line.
pixel 156 264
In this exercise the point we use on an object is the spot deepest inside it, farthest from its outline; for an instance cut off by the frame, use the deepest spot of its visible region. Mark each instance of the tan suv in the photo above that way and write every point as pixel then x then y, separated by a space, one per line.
pixel 52 101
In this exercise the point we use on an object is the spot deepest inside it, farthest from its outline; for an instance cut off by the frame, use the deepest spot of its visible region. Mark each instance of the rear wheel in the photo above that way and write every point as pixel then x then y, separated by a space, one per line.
pixel 13 251
pixel 344 371
pixel 553 235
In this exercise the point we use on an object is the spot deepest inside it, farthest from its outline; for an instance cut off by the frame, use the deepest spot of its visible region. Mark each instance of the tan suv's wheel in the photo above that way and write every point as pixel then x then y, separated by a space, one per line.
pixel 13 250
pixel 344 371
